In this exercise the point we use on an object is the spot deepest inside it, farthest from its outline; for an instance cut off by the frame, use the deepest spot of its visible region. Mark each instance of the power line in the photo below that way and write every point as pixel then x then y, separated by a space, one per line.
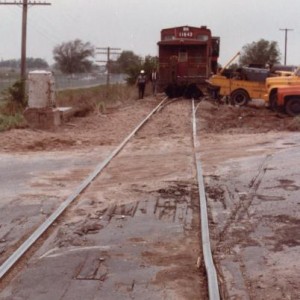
pixel 285 42
pixel 24 4
pixel 45 29
pixel 21 2
pixel 107 51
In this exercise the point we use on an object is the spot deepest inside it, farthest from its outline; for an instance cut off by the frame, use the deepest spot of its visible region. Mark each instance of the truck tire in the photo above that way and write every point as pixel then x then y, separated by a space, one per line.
pixel 292 107
pixel 273 101
pixel 239 97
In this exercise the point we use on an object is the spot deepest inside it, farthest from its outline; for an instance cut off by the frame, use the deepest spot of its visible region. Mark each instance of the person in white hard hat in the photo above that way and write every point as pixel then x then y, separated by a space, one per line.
pixel 141 84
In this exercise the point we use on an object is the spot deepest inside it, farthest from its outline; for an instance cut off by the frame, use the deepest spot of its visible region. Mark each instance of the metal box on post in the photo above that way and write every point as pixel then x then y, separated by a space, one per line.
pixel 41 89
pixel 41 111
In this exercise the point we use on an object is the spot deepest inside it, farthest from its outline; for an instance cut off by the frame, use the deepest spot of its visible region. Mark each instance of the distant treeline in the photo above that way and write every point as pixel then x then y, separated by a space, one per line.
pixel 32 63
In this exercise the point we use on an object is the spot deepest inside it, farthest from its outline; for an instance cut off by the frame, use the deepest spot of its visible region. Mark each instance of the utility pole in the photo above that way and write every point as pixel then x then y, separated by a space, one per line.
pixel 285 42
pixel 107 51
pixel 24 4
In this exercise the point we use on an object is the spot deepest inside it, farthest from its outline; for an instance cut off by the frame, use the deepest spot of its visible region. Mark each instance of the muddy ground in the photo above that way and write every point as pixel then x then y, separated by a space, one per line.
pixel 108 128
pixel 134 233
pixel 252 181
pixel 227 134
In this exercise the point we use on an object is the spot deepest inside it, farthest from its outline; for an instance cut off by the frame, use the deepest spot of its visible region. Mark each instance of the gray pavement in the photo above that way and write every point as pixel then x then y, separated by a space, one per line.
pixel 134 233
pixel 32 187
pixel 255 204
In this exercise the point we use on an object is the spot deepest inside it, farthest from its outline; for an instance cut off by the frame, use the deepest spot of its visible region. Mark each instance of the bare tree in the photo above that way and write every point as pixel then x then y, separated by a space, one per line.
pixel 73 57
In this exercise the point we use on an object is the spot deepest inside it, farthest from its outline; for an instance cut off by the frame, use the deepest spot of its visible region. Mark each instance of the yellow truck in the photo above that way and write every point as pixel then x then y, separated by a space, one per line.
pixel 287 79
pixel 239 86
pixel 246 83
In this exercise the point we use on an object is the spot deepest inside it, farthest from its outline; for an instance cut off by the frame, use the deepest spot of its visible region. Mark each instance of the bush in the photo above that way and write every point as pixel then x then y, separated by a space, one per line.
pixel 16 93
pixel 95 99
pixel 11 109
pixel 11 121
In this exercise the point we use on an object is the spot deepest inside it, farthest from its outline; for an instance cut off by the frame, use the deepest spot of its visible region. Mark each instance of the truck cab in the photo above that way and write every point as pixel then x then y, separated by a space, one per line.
pixel 285 79
pixel 288 98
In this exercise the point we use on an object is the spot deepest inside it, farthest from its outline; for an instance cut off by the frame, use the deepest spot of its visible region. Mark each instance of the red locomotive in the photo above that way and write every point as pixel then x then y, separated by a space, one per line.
pixel 187 57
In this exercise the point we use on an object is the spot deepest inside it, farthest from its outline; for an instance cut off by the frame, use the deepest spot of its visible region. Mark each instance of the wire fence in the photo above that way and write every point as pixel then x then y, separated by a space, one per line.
pixel 74 81
pixel 63 82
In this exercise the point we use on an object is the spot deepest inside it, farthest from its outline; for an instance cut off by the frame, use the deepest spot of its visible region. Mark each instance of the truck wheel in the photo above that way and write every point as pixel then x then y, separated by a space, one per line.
pixel 239 97
pixel 273 101
pixel 292 106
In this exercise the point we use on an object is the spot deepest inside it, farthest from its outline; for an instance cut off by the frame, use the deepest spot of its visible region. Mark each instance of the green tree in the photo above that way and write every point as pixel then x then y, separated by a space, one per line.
pixel 261 52
pixel 31 62
pixel 233 66
pixel 126 62
pixel 10 63
pixel 73 57
pixel 150 64
pixel 131 64
pixel 36 63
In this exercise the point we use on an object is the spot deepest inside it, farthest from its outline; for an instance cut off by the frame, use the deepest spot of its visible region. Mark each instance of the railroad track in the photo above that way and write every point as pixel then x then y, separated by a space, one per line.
pixel 165 210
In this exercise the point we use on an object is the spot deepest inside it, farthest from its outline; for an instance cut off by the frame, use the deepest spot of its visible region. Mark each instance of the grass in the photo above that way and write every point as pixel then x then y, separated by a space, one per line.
pixel 11 115
pixel 11 121
pixel 95 99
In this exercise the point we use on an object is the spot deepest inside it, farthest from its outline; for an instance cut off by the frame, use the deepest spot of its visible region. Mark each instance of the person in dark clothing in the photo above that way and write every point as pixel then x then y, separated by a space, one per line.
pixel 141 84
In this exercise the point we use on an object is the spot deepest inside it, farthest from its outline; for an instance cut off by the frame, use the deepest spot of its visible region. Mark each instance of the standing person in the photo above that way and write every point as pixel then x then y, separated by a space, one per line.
pixel 141 83
pixel 154 79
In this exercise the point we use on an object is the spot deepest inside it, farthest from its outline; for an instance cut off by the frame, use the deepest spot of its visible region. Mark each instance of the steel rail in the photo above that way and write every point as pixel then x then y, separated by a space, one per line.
pixel 9 263
pixel 213 288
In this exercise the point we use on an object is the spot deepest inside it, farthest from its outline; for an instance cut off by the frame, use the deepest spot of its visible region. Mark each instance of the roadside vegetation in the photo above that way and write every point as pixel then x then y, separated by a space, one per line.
pixel 78 57
pixel 260 53
pixel 86 100
pixel 32 63
pixel 96 99
pixel 12 106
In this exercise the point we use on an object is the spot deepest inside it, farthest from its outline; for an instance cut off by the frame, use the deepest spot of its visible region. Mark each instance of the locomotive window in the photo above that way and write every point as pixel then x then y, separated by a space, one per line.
pixel 169 37
pixel 202 37
pixel 182 56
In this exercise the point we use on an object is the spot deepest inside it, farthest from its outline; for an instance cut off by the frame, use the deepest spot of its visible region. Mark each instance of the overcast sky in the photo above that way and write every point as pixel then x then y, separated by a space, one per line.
pixel 135 24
